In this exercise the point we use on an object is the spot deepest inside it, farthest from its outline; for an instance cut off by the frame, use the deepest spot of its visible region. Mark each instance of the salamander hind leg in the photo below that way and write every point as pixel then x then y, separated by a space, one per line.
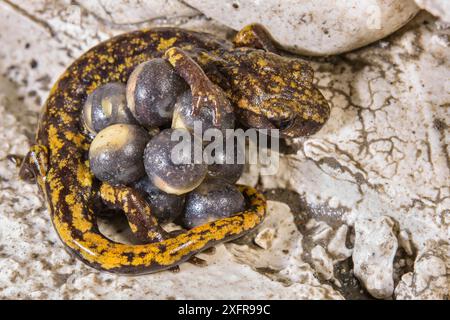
pixel 194 260
pixel 34 166
pixel 255 36
pixel 15 159
pixel 142 223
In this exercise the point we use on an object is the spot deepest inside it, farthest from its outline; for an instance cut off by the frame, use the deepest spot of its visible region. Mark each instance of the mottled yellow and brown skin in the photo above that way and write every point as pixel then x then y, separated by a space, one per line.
pixel 266 90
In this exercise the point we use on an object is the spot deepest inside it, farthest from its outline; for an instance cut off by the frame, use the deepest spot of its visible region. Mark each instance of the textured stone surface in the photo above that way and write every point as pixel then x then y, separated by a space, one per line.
pixel 385 149
pixel 315 27
pixel 133 12
pixel 384 152
pixel 322 263
pixel 439 8
pixel 285 260
pixel 430 279
pixel 337 246
pixel 373 255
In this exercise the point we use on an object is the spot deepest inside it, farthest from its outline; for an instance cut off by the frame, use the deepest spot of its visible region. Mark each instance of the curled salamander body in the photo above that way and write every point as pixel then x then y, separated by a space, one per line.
pixel 266 91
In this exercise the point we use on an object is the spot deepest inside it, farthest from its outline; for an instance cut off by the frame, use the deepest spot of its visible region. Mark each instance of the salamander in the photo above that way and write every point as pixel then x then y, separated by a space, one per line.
pixel 265 89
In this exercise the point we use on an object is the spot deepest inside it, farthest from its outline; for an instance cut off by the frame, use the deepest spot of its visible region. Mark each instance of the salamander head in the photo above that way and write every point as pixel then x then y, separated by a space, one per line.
pixel 277 92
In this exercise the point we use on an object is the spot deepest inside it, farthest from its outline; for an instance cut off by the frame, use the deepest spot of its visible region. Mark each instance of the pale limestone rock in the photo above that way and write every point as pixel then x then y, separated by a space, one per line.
pixel 315 27
pixel 404 241
pixel 265 237
pixel 439 8
pixel 337 247
pixel 323 264
pixel 383 150
pixel 430 279
pixel 319 230
pixel 283 260
pixel 250 176
pixel 138 11
pixel 373 255
pixel 286 237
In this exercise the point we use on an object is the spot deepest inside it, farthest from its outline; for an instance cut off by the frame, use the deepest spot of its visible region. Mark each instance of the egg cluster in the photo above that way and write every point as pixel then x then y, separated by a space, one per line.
pixel 132 126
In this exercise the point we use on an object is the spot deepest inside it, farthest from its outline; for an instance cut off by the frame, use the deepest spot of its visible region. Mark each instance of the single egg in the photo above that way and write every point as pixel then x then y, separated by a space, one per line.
pixel 106 106
pixel 170 164
pixel 115 154
pixel 165 207
pixel 227 160
pixel 152 90
pixel 184 119
pixel 213 199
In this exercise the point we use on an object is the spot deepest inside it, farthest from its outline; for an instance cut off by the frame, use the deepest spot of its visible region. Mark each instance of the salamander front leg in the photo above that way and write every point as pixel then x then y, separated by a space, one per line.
pixel 255 36
pixel 205 94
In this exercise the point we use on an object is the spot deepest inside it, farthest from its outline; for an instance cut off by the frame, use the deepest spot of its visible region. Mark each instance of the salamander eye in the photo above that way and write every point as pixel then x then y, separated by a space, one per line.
pixel 282 124
pixel 226 165
pixel 184 119
pixel 174 176
pixel 151 92
pixel 105 106
pixel 166 207
pixel 213 199
pixel 115 154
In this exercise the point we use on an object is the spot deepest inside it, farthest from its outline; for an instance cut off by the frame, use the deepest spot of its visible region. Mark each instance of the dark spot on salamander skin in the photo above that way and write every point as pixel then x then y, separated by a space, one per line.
pixel 203 233
pixel 33 64
pixel 77 234
pixel 162 247
pixel 130 256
